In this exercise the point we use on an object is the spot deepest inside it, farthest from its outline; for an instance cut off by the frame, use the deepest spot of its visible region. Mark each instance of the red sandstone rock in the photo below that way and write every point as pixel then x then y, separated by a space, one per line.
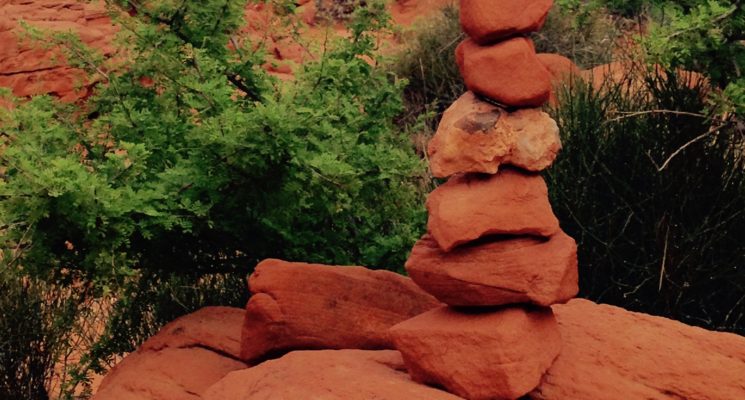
pixel 514 270
pixel 328 375
pixel 500 354
pixel 613 354
pixel 470 206
pixel 475 136
pixel 311 306
pixel 29 69
pixel 508 72
pixel 214 328
pixel 487 21
pixel 563 71
pixel 560 67
pixel 179 363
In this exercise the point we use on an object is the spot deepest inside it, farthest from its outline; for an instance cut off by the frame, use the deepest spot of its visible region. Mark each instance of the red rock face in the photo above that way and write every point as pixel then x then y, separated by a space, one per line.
pixel 311 306
pixel 179 363
pixel 475 136
pixel 326 374
pixel 508 72
pixel 28 69
pixel 487 21
pixel 500 354
pixel 468 207
pixel 505 271
pixel 613 354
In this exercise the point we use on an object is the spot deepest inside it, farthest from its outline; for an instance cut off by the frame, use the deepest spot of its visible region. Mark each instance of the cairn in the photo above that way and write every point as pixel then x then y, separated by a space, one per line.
pixel 494 252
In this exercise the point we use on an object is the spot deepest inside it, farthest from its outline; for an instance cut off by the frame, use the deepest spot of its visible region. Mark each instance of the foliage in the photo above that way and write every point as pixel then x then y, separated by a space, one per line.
pixel 190 163
pixel 428 64
pixel 654 193
pixel 704 36
pixel 35 326
pixel 192 158
pixel 585 34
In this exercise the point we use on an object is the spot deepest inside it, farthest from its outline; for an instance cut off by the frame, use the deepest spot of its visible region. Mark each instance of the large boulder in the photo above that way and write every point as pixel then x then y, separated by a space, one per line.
pixel 470 206
pixel 311 306
pixel 613 354
pixel 487 21
pixel 508 72
pixel 326 375
pixel 180 362
pixel 475 136
pixel 514 270
pixel 480 355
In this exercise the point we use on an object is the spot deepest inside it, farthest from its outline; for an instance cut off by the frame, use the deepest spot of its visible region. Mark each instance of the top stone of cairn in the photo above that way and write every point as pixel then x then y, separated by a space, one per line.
pixel 488 21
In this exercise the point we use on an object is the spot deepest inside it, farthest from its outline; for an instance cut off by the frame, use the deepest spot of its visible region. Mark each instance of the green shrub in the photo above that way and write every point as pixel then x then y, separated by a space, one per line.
pixel 654 193
pixel 189 174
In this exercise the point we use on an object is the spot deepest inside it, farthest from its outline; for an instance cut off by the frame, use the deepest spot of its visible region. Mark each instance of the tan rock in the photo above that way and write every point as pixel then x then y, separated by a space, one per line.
pixel 613 354
pixel 492 273
pixel 471 206
pixel 311 306
pixel 494 355
pixel 487 21
pixel 326 375
pixel 508 72
pixel 475 136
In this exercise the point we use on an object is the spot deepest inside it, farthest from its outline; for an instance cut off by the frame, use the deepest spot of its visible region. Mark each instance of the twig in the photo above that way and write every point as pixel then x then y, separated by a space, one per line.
pixel 685 146
pixel 664 259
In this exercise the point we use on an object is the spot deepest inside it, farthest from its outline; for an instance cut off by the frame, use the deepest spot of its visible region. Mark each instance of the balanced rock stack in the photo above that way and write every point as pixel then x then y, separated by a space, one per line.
pixel 494 252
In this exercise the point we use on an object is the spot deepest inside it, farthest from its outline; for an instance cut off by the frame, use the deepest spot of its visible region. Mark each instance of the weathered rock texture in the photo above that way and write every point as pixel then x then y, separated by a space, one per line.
pixel 508 72
pixel 326 375
pixel 311 306
pixel 471 206
pixel 499 354
pixel 475 136
pixel 497 272
pixel 613 354
pixel 486 21
pixel 179 363
pixel 28 69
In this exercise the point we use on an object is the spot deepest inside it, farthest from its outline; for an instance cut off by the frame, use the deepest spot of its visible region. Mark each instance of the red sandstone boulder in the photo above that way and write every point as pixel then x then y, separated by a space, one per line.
pixel 179 363
pixel 499 354
pixel 475 136
pixel 563 71
pixel 470 206
pixel 487 21
pixel 613 354
pixel 508 72
pixel 327 375
pixel 311 306
pixel 492 273
pixel 214 328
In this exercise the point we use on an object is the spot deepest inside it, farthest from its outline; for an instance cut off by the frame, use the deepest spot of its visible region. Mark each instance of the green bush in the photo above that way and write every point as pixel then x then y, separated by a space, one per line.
pixel 654 193
pixel 214 165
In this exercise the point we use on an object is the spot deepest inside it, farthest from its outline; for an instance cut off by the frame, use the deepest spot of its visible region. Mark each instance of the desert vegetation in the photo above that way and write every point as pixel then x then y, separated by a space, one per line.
pixel 190 163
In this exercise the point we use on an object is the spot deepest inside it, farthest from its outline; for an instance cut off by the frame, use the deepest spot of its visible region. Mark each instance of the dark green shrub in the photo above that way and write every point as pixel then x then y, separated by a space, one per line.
pixel 36 321
pixel 654 193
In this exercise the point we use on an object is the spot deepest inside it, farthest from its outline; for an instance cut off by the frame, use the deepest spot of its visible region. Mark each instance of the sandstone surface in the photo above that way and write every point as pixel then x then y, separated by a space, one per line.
pixel 613 354
pixel 180 362
pixel 326 375
pixel 480 355
pixel 497 272
pixel 508 72
pixel 475 136
pixel 471 206
pixel 487 21
pixel 310 306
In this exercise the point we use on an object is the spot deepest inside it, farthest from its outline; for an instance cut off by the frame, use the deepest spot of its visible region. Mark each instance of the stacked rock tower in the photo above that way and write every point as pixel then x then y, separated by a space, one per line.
pixel 494 252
